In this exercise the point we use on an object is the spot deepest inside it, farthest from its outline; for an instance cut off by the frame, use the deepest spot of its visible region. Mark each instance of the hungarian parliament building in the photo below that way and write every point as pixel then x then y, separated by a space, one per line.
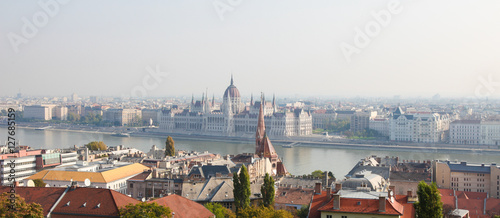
pixel 234 118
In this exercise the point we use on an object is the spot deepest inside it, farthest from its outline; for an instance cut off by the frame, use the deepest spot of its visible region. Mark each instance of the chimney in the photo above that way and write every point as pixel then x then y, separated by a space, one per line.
pixel 336 201
pixel 338 186
pixel 381 204
pixel 409 193
pixel 391 191
pixel 328 194
pixel 74 185
pixel 317 188
pixel 326 178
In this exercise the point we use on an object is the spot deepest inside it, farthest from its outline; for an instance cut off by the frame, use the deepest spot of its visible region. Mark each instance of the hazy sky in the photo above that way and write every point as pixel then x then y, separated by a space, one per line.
pixel 285 47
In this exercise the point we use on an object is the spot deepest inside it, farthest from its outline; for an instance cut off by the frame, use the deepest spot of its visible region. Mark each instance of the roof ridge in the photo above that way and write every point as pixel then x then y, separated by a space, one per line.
pixel 217 191
pixel 400 207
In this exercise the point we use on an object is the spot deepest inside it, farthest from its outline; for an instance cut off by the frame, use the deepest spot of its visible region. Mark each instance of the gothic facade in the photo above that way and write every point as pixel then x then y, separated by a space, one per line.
pixel 234 118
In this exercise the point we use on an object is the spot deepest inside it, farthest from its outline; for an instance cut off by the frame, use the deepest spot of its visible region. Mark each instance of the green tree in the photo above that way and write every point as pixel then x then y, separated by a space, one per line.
pixel 429 203
pixel 22 209
pixel 267 191
pixel 145 209
pixel 73 117
pixel 318 173
pixel 241 191
pixel 170 147
pixel 251 212
pixel 303 211
pixel 39 183
pixel 97 145
pixel 220 211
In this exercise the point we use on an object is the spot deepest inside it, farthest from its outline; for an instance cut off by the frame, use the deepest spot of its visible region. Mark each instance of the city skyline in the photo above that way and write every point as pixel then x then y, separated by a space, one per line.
pixel 56 48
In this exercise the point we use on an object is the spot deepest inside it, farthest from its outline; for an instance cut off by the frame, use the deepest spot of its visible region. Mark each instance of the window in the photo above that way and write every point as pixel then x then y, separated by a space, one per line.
pixel 330 216
pixel 131 185
pixel 342 216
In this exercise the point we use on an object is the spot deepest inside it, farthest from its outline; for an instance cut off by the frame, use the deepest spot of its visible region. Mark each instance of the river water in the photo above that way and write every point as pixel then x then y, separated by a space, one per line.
pixel 298 160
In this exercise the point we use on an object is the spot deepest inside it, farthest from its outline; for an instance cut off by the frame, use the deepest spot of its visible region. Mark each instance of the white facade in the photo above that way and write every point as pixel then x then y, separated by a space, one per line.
pixel 204 118
pixel 465 132
pixel 380 124
pixel 37 112
pixel 426 127
pixel 122 117
pixel 490 133
pixel 60 112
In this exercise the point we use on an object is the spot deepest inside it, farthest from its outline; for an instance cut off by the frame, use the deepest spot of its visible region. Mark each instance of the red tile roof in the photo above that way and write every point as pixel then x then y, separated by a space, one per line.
pixel 46 197
pixel 296 196
pixel 408 209
pixel 317 202
pixel 474 206
pixel 399 207
pixel 471 201
pixel 364 206
pixel 183 207
pixel 92 202
pixel 493 206
pixel 141 176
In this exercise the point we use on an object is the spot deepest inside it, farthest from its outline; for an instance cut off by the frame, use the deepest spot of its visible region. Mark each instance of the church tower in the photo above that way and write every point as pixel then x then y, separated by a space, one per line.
pixel 263 146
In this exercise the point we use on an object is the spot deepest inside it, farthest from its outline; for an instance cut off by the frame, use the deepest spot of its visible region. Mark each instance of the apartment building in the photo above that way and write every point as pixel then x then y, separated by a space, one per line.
pixel 28 162
pixel 468 177
pixel 465 132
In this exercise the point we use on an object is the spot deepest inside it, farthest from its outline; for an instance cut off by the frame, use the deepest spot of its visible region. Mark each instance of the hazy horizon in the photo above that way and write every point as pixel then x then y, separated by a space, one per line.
pixel 97 48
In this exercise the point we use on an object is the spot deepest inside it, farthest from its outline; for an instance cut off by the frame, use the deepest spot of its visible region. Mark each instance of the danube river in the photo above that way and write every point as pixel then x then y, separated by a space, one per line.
pixel 298 160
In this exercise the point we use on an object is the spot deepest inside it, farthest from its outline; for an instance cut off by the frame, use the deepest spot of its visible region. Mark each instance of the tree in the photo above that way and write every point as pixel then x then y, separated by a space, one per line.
pixel 303 211
pixel 97 145
pixel 73 117
pixel 145 209
pixel 22 209
pixel 169 147
pixel 318 173
pixel 267 191
pixel 220 211
pixel 39 183
pixel 241 189
pixel 429 203
pixel 251 212
pixel 331 176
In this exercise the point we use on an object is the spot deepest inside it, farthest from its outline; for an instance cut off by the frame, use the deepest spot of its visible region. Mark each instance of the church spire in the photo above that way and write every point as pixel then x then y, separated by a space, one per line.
pixel 261 129
pixel 213 100
pixel 231 79
pixel 274 103
pixel 251 99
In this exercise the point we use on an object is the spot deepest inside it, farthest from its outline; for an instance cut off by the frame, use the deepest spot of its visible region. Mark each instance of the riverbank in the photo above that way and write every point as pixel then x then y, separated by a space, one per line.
pixel 426 148
pixel 297 142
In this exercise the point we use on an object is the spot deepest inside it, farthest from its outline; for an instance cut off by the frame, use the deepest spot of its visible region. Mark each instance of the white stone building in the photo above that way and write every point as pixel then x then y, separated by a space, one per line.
pixel 380 124
pixel 426 127
pixel 38 112
pixel 490 133
pixel 465 132
pixel 122 117
pixel 234 119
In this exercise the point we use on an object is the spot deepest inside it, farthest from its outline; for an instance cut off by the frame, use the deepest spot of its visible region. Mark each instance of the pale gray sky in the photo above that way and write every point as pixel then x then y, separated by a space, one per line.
pixel 285 47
